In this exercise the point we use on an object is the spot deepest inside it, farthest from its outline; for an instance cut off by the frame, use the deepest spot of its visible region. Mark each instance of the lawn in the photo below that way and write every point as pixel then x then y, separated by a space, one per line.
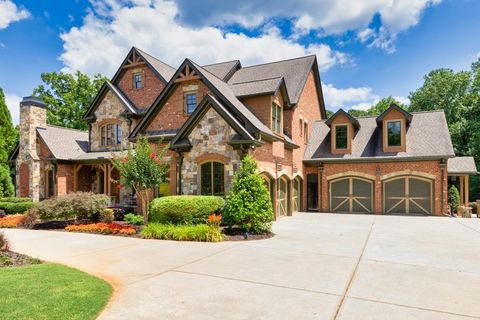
pixel 51 291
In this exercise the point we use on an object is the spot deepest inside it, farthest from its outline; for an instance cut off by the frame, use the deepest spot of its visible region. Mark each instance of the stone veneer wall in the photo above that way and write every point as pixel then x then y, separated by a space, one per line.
pixel 109 111
pixel 209 140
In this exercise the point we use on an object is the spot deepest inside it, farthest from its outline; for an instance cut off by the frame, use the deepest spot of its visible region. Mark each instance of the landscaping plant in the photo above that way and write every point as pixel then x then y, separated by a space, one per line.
pixel 199 232
pixel 107 215
pixel 248 205
pixel 4 244
pixel 185 209
pixel 15 207
pixel 143 169
pixel 12 221
pixel 133 219
pixel 453 198
pixel 103 228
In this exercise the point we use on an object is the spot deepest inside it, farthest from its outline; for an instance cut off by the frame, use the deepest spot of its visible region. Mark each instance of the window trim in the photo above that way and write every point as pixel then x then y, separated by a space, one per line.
pixel 142 78
pixel 199 190
pixel 333 131
pixel 401 147
pixel 336 136
pixel 185 99
pixel 115 128
pixel 275 121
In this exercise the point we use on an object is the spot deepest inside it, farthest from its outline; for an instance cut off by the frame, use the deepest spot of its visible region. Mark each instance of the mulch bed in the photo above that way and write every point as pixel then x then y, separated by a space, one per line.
pixel 239 235
pixel 13 259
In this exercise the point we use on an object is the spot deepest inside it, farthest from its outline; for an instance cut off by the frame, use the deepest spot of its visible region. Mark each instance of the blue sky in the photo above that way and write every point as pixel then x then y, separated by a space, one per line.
pixel 367 49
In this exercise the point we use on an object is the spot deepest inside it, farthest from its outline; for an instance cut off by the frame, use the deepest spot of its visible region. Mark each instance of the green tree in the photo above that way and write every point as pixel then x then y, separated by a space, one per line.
pixel 248 204
pixel 378 108
pixel 6 185
pixel 453 198
pixel 329 113
pixel 8 133
pixel 142 169
pixel 68 97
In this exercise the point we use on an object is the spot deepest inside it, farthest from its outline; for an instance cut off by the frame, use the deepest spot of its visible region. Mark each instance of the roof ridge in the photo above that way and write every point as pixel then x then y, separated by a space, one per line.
pixel 203 69
pixel 148 54
pixel 60 127
pixel 256 80
pixel 279 61
pixel 213 64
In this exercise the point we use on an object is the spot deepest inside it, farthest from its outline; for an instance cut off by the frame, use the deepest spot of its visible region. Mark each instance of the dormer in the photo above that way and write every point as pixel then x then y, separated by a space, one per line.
pixel 394 123
pixel 342 130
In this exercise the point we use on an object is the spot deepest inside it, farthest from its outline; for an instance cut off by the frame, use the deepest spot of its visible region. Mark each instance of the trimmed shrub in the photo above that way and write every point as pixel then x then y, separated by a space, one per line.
pixel 79 205
pixel 107 215
pixel 199 232
pixel 15 207
pixel 15 199
pixel 133 219
pixel 185 209
pixel 453 198
pixel 248 205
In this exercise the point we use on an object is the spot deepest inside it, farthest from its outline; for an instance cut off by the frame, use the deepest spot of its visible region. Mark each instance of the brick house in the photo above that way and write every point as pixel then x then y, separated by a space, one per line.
pixel 211 116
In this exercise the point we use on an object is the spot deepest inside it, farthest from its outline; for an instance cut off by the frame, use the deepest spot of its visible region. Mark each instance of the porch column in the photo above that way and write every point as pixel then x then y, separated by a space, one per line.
pixel 462 198
pixel 76 169
pixel 466 190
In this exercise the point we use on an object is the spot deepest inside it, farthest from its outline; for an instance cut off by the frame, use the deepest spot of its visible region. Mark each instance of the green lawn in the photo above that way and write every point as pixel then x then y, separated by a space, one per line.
pixel 51 291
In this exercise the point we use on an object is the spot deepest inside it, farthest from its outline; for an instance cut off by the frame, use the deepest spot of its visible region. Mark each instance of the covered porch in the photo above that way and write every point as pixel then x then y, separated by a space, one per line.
pixel 459 171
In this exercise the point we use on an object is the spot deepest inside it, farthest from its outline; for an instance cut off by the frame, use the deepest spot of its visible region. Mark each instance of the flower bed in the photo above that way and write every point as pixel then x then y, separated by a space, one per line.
pixel 12 221
pixel 103 228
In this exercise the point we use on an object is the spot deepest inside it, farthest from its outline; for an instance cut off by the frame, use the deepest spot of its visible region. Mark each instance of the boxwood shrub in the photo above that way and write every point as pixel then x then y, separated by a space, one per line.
pixel 15 207
pixel 185 209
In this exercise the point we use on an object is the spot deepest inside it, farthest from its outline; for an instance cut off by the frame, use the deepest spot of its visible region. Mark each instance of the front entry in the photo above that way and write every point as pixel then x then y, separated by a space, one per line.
pixel 351 194
pixel 312 192
pixel 408 195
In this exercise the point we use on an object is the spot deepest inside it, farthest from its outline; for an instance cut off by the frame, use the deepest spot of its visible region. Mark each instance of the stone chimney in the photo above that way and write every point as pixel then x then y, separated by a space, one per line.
pixel 33 115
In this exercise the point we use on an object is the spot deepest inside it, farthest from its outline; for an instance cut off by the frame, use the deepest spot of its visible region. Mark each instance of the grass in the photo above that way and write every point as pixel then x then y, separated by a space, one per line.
pixel 51 291
pixel 199 232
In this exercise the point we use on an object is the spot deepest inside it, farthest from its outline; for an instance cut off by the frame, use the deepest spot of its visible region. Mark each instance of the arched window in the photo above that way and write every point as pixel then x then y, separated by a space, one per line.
pixel 212 178
pixel 111 134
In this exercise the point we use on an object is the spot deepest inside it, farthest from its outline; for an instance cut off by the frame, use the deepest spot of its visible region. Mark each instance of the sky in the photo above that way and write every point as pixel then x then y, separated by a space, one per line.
pixel 366 49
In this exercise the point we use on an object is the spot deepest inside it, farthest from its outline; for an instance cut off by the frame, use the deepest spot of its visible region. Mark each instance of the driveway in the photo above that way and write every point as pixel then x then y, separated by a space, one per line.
pixel 318 266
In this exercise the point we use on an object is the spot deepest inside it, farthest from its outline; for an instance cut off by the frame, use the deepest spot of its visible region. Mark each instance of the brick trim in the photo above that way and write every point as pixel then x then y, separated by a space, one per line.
pixel 408 173
pixel 351 174
pixel 212 157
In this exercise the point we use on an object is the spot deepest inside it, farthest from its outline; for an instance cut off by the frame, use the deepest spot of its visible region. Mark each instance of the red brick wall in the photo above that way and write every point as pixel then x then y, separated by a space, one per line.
pixel 64 179
pixel 428 167
pixel 144 97
pixel 261 107
pixel 24 183
pixel 172 115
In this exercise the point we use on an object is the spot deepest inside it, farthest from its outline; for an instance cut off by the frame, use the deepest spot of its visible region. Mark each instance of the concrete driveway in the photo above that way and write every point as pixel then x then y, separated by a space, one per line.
pixel 319 266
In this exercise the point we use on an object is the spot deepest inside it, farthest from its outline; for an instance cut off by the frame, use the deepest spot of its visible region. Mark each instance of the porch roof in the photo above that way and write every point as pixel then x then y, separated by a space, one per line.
pixel 100 156
pixel 460 166
pixel 64 143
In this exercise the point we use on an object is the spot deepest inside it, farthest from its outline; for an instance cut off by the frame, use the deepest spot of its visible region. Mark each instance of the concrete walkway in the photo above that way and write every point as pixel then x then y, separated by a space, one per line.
pixel 319 266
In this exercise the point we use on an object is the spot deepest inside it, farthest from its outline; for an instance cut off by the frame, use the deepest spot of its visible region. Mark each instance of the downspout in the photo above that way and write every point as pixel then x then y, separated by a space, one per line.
pixel 179 171
pixel 320 191
pixel 442 185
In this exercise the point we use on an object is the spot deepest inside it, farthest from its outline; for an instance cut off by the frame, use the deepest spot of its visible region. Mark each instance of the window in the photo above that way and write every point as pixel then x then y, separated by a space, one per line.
pixel 341 137
pixel 137 81
pixel 305 132
pixel 276 118
pixel 300 125
pixel 190 102
pixel 111 135
pixel 212 178
pixel 50 184
pixel 394 133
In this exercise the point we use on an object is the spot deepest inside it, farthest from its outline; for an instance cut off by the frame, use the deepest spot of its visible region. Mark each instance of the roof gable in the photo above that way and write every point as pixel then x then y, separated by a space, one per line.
pixel 393 106
pixel 223 70
pixel 352 120
pixel 64 143
pixel 107 85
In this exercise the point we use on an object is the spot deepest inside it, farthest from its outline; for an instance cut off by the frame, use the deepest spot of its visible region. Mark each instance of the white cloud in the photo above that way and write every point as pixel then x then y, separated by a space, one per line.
pixel 402 100
pixel 9 12
pixel 347 98
pixel 13 104
pixel 108 31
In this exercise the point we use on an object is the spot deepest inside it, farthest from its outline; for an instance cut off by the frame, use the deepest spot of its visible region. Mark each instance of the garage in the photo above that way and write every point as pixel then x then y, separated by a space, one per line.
pixel 351 195
pixel 408 195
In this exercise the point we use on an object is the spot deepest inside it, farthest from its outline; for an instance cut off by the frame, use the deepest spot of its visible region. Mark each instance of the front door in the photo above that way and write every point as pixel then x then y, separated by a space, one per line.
pixel 312 192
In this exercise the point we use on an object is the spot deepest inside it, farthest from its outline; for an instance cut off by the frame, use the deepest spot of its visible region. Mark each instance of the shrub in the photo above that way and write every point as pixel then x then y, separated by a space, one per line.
pixel 134 219
pixel 31 218
pixel 199 232
pixel 79 205
pixel 6 185
pixel 16 207
pixel 4 244
pixel 12 221
pixel 107 215
pixel 103 228
pixel 453 198
pixel 15 199
pixel 248 204
pixel 185 209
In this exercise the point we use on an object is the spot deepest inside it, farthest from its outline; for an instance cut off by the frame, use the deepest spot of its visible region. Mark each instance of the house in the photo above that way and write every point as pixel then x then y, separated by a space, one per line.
pixel 212 115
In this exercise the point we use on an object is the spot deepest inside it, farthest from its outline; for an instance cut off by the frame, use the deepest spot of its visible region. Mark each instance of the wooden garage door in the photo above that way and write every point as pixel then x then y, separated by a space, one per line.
pixel 282 198
pixel 408 195
pixel 351 194
pixel 297 194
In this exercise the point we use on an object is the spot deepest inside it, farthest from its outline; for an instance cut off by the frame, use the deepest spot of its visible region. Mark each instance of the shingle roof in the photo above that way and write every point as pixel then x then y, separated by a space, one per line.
pixel 354 121
pixel 162 68
pixel 294 71
pixel 222 70
pixel 461 165
pixel 64 143
pixel 255 87
pixel 427 137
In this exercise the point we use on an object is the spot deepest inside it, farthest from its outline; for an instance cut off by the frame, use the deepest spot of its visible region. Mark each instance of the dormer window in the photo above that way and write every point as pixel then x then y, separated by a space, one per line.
pixel 276 118
pixel 394 133
pixel 111 135
pixel 190 102
pixel 137 80
pixel 341 136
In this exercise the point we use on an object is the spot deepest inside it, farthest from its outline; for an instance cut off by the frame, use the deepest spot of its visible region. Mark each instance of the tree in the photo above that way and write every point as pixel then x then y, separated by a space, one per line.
pixel 8 133
pixel 453 198
pixel 248 204
pixel 6 186
pixel 378 108
pixel 143 169
pixel 68 97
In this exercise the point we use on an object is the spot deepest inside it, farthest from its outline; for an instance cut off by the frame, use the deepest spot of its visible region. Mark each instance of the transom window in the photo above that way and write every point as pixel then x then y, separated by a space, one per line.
pixel 212 176
pixel 190 102
pixel 341 137
pixel 111 134
pixel 394 133
pixel 137 80
pixel 276 118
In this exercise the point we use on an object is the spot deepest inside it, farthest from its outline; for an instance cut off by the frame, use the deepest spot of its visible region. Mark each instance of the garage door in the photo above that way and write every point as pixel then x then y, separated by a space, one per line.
pixel 351 194
pixel 282 197
pixel 408 195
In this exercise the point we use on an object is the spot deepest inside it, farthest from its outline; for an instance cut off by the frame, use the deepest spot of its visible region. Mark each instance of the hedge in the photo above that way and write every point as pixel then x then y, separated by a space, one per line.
pixel 15 199
pixel 185 209
pixel 199 232
pixel 15 207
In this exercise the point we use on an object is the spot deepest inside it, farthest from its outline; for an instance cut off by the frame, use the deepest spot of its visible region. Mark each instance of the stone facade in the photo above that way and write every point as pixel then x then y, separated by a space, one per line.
pixel 209 140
